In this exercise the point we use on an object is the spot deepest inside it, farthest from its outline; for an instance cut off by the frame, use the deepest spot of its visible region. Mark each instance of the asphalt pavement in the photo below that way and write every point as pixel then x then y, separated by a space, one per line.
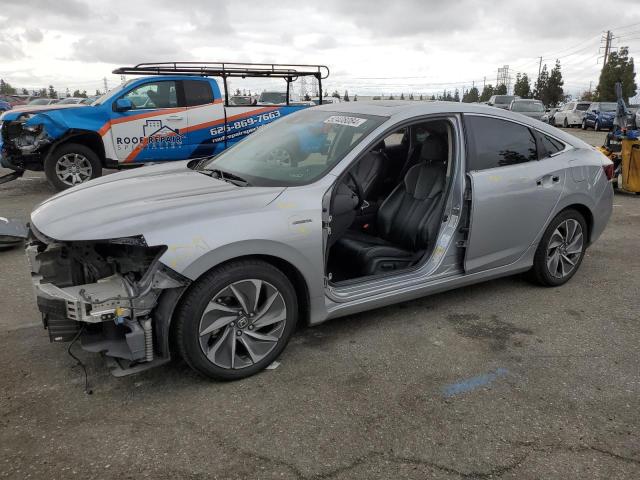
pixel 498 380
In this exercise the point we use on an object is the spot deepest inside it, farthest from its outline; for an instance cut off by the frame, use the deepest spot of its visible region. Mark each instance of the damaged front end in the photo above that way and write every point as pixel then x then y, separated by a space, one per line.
pixel 27 139
pixel 108 293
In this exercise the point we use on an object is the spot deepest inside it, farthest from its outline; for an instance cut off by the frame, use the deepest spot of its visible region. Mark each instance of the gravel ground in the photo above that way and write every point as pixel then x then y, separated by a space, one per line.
pixel 498 380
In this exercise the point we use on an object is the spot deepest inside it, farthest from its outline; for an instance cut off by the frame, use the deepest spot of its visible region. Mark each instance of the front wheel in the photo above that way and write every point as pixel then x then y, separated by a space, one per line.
pixel 561 249
pixel 584 124
pixel 565 124
pixel 71 164
pixel 236 319
pixel 597 126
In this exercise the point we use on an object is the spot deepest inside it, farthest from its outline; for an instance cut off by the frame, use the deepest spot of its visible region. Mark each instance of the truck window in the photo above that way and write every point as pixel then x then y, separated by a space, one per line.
pixel 153 95
pixel 197 92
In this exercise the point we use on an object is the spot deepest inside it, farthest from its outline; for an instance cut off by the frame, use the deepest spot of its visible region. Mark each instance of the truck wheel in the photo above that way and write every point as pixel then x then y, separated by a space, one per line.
pixel 71 164
pixel 235 320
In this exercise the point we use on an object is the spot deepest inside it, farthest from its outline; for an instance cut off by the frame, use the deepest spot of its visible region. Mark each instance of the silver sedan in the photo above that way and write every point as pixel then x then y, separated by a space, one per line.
pixel 327 212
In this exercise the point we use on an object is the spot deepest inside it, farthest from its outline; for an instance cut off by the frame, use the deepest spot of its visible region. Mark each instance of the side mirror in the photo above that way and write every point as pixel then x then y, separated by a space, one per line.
pixel 122 105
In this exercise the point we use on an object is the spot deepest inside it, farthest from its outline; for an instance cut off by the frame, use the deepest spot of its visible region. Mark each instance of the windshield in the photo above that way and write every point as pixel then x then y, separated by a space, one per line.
pixel 608 107
pixel 273 97
pixel 40 101
pixel 527 107
pixel 296 150
pixel 583 107
pixel 67 101
pixel 111 92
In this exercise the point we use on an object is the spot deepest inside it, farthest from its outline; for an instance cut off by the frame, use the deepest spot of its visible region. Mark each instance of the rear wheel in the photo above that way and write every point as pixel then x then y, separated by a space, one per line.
pixel 565 124
pixel 71 164
pixel 236 320
pixel 584 124
pixel 596 127
pixel 561 249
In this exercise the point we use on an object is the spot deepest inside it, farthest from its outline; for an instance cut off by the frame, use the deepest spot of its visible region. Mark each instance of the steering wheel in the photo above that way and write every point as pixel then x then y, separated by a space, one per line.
pixel 359 193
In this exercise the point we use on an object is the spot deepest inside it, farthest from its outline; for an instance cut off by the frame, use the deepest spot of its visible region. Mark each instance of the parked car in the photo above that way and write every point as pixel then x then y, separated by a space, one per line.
pixel 155 118
pixel 242 100
pixel 14 100
pixel 277 98
pixel 529 108
pixel 224 257
pixel 502 101
pixel 570 114
pixel 71 100
pixel 42 101
pixel 599 115
pixel 549 115
pixel 4 106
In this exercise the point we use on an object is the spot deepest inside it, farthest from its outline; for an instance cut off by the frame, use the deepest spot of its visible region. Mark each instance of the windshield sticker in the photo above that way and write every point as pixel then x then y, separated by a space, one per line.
pixel 344 120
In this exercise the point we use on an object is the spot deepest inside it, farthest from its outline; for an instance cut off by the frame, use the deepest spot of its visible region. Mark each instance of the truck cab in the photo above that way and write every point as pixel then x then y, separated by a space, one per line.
pixel 150 119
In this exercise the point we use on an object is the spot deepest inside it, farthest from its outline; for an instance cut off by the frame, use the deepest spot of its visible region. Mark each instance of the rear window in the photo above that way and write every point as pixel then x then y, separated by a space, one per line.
pixel 583 107
pixel 498 143
pixel 197 92
pixel 527 107
pixel 608 107
pixel 504 98
pixel 551 145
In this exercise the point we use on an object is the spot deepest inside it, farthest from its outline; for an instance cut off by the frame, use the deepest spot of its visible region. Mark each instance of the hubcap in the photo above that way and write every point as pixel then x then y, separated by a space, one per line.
pixel 242 324
pixel 73 168
pixel 565 248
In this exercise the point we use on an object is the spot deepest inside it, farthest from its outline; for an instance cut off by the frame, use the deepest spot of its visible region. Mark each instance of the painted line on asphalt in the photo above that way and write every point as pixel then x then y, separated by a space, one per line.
pixel 472 383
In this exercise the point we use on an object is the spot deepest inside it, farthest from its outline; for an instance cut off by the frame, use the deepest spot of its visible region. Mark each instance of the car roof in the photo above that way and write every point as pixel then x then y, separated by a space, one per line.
pixel 401 109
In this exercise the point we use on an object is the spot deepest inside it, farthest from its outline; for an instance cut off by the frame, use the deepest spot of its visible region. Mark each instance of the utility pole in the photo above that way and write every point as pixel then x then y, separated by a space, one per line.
pixel 105 84
pixel 607 47
pixel 484 83
pixel 539 69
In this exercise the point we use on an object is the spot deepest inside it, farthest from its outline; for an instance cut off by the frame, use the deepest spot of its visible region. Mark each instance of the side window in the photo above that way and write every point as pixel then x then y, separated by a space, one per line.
pixel 153 95
pixel 551 145
pixel 197 92
pixel 498 143
pixel 395 139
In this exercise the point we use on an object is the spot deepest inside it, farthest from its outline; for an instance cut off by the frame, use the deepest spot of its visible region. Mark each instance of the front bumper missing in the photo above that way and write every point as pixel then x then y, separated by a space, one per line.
pixel 113 314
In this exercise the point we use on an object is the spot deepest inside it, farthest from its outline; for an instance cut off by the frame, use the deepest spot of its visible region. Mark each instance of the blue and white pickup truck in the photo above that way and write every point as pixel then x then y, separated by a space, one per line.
pixel 177 112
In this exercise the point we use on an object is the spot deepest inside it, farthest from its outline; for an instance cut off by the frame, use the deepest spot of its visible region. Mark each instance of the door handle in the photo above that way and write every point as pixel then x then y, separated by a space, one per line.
pixel 174 117
pixel 541 181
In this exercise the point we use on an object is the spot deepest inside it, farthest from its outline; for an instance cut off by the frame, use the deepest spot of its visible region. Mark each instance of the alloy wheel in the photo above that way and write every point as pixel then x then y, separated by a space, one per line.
pixel 242 324
pixel 73 169
pixel 565 248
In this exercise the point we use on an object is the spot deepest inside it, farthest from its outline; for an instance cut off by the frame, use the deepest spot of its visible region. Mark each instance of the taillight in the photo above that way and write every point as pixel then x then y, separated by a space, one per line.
pixel 608 170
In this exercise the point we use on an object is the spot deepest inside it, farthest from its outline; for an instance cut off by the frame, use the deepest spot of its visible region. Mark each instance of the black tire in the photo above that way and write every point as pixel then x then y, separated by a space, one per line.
pixel 596 126
pixel 200 294
pixel 540 273
pixel 69 149
pixel 565 124
pixel 584 124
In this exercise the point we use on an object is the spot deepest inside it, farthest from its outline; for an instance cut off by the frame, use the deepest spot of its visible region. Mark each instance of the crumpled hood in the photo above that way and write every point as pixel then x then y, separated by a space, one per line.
pixel 143 202
pixel 15 112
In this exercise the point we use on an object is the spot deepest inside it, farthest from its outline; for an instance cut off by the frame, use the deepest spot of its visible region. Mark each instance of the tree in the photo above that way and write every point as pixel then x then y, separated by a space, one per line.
pixel 391 97
pixel 52 92
pixel 411 96
pixel 355 97
pixel 540 88
pixel 487 92
pixel 620 67
pixel 555 93
pixel 402 96
pixel 346 96
pixel 335 94
pixel 471 96
pixel 25 91
pixel 456 96
pixel 98 92
pixel 6 88
pixel 307 98
pixel 42 92
pixel 433 97
pixel 522 88
pixel 421 97
pixel 587 96
pixel 501 89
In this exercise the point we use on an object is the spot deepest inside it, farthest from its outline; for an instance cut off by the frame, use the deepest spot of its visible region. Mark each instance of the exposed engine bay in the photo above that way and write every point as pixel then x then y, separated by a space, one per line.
pixel 26 140
pixel 103 292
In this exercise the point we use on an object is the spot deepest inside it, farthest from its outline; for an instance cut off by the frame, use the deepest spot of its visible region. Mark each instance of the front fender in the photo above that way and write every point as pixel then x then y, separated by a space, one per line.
pixel 243 248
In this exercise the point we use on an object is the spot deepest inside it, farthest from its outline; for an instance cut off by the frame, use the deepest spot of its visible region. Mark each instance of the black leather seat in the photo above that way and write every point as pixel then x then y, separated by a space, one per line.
pixel 369 173
pixel 407 222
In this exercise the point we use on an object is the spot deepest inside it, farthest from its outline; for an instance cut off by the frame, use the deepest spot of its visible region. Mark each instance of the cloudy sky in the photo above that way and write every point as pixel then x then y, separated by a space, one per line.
pixel 371 46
